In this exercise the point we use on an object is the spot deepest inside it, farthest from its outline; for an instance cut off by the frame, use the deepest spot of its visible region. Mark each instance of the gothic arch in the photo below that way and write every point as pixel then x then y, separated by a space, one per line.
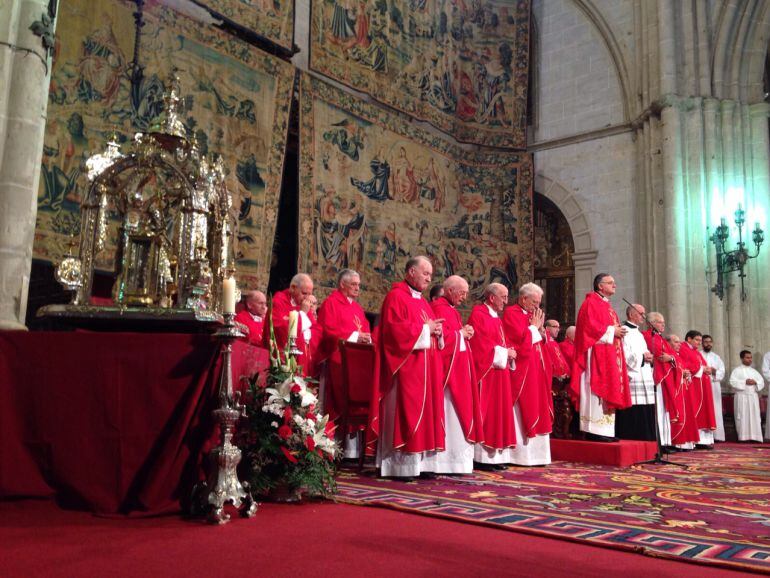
pixel 585 254
pixel 593 14
pixel 741 30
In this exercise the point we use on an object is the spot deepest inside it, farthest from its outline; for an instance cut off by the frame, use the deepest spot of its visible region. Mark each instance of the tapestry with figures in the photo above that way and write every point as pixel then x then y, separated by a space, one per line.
pixel 236 104
pixel 375 189
pixel 460 65
pixel 273 19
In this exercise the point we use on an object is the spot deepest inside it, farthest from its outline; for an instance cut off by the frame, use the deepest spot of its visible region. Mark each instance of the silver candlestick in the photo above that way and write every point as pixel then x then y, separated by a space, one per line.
pixel 293 350
pixel 223 485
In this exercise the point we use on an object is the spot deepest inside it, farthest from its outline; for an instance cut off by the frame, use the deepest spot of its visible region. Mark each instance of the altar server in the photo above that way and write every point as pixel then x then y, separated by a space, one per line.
pixel 716 369
pixel 746 382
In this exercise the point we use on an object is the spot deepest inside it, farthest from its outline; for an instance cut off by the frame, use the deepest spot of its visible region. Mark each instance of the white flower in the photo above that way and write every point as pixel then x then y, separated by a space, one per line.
pixel 274 424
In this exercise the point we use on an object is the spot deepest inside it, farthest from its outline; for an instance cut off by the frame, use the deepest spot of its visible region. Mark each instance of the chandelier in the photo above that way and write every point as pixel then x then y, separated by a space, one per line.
pixel 735 260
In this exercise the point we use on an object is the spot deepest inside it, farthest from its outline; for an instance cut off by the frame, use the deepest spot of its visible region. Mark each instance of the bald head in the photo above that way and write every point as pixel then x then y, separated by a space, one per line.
pixel 635 313
pixel 675 341
pixel 301 287
pixel 256 303
pixel 570 333
pixel 455 290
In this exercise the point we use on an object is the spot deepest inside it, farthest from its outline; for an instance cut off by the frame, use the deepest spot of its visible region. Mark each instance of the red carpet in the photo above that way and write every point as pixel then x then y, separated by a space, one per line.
pixel 314 539
pixel 621 454
pixel 716 512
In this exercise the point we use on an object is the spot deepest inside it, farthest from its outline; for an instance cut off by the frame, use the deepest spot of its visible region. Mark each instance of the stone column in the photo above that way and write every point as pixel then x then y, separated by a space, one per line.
pixel 24 79
pixel 585 262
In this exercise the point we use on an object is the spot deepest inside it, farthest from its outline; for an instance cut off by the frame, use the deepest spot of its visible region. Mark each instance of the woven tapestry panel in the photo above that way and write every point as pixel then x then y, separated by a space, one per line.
pixel 236 101
pixel 375 190
pixel 460 65
pixel 273 19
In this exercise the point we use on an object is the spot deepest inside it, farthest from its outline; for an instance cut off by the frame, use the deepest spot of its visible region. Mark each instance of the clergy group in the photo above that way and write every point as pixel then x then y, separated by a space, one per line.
pixel 450 395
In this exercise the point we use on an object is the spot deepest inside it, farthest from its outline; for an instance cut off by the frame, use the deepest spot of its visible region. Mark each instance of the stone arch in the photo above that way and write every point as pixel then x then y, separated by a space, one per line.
pixel 740 47
pixel 594 16
pixel 585 254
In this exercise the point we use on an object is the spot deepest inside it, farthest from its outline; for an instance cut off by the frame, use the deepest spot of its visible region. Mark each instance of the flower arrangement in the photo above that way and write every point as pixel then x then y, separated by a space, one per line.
pixel 287 445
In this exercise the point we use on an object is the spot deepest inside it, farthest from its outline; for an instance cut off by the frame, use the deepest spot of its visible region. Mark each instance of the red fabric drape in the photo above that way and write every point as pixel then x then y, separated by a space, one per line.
pixel 114 423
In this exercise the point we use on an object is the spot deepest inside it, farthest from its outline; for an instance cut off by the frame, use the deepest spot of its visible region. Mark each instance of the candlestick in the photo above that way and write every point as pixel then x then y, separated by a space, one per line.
pixel 293 318
pixel 228 295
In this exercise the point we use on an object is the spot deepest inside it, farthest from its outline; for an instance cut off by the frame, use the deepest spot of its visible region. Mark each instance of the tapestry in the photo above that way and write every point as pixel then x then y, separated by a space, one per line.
pixel 460 65
pixel 236 104
pixel 273 19
pixel 716 511
pixel 375 190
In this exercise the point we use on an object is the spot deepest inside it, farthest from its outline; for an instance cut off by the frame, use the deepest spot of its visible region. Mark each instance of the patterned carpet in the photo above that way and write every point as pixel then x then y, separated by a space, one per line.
pixel 717 511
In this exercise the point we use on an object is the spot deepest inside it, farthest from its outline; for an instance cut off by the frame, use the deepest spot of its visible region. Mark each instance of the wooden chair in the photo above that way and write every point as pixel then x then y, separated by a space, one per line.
pixel 357 390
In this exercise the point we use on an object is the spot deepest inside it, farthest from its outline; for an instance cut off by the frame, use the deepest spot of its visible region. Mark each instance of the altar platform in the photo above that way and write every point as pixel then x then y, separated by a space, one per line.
pixel 620 454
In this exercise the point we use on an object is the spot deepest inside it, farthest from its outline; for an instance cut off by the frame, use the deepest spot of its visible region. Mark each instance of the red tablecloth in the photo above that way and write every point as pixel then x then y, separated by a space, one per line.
pixel 111 422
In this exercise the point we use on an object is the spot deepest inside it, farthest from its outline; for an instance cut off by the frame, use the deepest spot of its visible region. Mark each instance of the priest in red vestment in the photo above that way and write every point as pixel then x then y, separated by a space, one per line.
pixel 559 365
pixel 408 421
pixel 700 389
pixel 690 434
pixel 531 381
pixel 667 378
pixel 568 347
pixel 493 360
pixel 298 297
pixel 341 318
pixel 252 317
pixel 462 417
pixel 599 380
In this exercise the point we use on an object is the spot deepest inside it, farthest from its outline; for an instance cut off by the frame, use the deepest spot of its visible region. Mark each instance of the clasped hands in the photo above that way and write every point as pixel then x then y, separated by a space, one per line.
pixel 435 326
pixel 364 338
pixel 309 303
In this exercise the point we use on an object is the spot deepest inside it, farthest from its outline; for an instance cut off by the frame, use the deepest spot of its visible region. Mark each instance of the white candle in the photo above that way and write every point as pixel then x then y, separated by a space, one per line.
pixel 228 295
pixel 293 316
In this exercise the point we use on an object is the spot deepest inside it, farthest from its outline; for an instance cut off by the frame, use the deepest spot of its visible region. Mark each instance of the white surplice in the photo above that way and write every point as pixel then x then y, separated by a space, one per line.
pixel 748 422
pixel 716 362
pixel 593 418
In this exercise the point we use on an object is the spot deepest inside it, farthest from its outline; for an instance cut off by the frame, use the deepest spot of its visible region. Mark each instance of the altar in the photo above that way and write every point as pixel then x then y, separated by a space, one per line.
pixel 115 423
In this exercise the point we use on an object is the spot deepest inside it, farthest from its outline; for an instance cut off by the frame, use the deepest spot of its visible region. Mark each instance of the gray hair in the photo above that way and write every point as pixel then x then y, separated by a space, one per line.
pixel 530 289
pixel 346 275
pixel 654 316
pixel 454 281
pixel 414 261
pixel 299 279
pixel 493 289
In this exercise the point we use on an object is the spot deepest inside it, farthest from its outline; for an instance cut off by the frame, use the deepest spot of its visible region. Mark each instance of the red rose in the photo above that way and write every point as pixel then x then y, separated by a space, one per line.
pixel 330 427
pixel 284 432
pixel 310 443
pixel 311 407
pixel 295 388
pixel 311 415
pixel 288 455
pixel 287 415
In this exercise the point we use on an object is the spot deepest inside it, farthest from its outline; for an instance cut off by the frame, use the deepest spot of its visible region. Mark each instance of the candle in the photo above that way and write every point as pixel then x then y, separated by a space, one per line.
pixel 293 315
pixel 228 295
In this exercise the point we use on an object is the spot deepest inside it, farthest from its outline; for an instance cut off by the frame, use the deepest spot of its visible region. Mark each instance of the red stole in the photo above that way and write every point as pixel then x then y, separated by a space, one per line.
pixel 338 318
pixel 495 394
pixel 567 348
pixel 419 418
pixel 668 376
pixel 532 376
pixel 559 364
pixel 459 374
pixel 256 328
pixel 281 306
pixel 701 393
pixel 609 376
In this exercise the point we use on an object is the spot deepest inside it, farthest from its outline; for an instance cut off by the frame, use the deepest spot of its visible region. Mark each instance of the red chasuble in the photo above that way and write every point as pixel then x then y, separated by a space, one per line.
pixel 338 319
pixel 690 431
pixel 459 374
pixel 495 394
pixel 419 421
pixel 532 377
pixel 568 351
pixel 255 336
pixel 281 306
pixel 700 387
pixel 559 364
pixel 668 376
pixel 609 376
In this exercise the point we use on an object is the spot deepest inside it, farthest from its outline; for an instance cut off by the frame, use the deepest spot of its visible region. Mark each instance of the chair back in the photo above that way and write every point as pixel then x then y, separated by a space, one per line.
pixel 357 372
